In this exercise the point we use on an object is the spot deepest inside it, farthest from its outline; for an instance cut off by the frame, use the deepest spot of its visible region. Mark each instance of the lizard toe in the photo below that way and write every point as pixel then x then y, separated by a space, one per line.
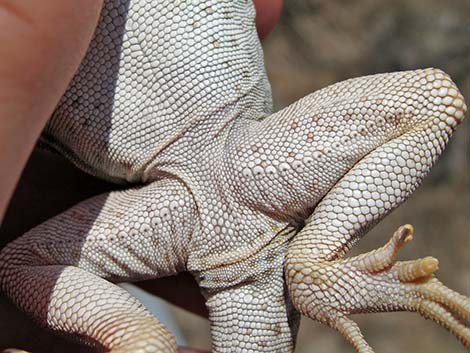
pixel 329 291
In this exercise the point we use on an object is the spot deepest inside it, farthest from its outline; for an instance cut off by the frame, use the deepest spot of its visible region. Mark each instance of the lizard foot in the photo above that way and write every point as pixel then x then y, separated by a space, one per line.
pixel 329 291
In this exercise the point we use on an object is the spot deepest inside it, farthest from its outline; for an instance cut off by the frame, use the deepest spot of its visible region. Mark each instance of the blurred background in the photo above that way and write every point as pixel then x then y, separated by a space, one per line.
pixel 319 42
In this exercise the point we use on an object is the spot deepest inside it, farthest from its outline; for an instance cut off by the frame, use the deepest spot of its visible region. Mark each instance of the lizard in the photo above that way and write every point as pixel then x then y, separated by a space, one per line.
pixel 172 99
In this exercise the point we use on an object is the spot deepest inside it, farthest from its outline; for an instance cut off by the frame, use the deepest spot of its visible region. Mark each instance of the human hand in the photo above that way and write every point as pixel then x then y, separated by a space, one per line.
pixel 267 15
pixel 42 44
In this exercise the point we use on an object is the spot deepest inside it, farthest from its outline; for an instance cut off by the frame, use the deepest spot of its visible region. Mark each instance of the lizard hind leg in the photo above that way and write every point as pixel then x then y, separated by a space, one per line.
pixel 329 291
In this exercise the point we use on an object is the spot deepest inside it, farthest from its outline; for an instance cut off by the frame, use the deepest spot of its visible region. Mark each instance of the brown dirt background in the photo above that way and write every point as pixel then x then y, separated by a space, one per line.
pixel 319 42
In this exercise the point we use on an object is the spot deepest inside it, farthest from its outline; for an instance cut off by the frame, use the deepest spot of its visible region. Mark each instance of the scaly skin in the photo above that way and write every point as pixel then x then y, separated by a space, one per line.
pixel 173 96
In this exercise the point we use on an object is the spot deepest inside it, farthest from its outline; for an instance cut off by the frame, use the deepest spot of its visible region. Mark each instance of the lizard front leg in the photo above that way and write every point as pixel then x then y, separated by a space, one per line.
pixel 326 287
pixel 61 272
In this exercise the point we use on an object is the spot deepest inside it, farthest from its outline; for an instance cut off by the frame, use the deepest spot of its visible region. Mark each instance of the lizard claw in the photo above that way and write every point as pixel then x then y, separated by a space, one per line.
pixel 374 282
pixel 432 299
